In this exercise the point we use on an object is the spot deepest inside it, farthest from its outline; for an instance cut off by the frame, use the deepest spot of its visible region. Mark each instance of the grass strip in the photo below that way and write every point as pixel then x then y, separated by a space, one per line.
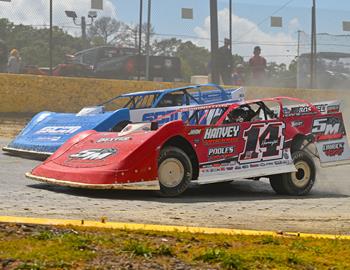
pixel 66 247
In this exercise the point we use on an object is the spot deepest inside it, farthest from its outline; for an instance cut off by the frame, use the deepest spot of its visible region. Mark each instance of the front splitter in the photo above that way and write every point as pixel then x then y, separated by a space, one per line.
pixel 146 185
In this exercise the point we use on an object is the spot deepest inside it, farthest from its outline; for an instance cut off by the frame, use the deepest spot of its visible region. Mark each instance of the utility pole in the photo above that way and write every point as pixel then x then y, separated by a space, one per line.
pixel 298 62
pixel 140 40
pixel 298 48
pixel 214 35
pixel 83 30
pixel 51 39
pixel 313 55
pixel 230 22
pixel 148 39
pixel 92 15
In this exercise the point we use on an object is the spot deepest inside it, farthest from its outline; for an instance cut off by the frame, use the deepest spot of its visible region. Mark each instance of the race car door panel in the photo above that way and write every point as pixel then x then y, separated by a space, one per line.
pixel 257 150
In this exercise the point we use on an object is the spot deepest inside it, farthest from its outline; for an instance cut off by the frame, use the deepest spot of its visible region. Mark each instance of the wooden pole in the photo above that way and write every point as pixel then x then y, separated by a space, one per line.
pixel 214 35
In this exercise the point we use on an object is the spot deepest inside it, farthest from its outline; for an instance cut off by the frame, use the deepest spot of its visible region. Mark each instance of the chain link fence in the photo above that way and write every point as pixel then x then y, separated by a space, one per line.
pixel 107 45
pixel 332 61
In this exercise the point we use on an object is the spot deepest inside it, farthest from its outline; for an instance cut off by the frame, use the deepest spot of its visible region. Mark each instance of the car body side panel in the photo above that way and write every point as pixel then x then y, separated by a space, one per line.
pixel 240 150
pixel 325 129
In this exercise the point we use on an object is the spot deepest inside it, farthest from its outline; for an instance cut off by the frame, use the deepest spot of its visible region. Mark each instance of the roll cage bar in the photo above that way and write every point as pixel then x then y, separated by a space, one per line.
pixel 158 95
pixel 227 107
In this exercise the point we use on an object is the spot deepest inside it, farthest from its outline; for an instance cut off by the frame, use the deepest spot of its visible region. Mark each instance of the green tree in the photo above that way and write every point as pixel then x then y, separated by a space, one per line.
pixel 194 59
pixel 166 47
pixel 33 43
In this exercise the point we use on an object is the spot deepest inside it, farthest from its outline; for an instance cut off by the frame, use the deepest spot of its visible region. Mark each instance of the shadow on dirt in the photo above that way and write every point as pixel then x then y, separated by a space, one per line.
pixel 235 191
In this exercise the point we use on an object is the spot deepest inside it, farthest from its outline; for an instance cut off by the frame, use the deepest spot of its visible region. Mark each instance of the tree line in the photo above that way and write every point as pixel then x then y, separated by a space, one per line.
pixel 33 44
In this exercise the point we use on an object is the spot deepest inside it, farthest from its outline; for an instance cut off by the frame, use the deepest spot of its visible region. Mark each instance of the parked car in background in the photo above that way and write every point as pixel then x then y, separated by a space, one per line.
pixel 111 62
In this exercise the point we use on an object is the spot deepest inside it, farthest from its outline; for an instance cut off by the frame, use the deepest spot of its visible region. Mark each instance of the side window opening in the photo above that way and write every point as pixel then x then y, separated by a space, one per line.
pixel 243 113
pixel 258 111
pixel 171 100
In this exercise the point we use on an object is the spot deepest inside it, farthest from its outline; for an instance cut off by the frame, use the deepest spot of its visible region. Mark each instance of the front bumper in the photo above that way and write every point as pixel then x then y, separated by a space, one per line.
pixel 145 185
pixel 26 152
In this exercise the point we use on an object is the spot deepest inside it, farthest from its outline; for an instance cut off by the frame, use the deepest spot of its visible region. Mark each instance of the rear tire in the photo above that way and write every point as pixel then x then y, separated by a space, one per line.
pixel 296 183
pixel 174 171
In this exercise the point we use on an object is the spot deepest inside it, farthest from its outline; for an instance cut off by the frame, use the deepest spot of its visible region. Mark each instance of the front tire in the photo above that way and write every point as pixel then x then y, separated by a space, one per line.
pixel 296 183
pixel 174 171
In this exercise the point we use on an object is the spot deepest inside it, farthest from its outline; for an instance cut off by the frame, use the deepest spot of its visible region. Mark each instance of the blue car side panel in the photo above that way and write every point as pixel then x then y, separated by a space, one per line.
pixel 113 120
pixel 47 131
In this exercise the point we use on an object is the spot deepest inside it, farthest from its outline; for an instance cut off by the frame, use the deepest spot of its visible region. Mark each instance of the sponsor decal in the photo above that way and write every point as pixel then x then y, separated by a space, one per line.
pixel 321 107
pixel 58 130
pixel 148 117
pixel 333 108
pixel 221 132
pixel 303 109
pixel 151 116
pixel 117 139
pixel 220 151
pixel 93 154
pixel 300 109
pixel 333 149
pixel 193 132
pixel 269 143
pixel 327 126
pixel 297 123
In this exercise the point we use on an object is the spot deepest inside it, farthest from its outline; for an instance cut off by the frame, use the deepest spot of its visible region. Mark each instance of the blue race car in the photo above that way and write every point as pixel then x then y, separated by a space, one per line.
pixel 47 131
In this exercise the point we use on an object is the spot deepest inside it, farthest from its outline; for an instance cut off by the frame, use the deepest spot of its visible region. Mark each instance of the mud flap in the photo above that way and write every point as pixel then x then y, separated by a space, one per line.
pixel 333 152
pixel 331 140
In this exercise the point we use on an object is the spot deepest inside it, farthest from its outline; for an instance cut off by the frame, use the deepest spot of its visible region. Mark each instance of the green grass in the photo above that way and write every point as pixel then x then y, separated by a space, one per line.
pixel 75 248
pixel 139 249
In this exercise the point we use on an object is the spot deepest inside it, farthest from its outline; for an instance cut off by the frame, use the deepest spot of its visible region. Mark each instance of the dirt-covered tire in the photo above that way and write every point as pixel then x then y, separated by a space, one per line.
pixel 174 171
pixel 276 183
pixel 296 183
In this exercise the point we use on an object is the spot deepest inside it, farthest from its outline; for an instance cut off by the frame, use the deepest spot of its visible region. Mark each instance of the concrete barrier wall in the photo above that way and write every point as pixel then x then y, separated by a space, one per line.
pixel 31 94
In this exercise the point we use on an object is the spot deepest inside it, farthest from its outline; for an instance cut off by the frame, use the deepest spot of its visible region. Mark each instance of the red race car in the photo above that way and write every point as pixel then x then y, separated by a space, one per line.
pixel 276 138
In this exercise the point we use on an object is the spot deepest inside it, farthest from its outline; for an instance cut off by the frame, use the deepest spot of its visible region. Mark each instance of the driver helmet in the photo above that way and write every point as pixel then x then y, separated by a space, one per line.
pixel 240 115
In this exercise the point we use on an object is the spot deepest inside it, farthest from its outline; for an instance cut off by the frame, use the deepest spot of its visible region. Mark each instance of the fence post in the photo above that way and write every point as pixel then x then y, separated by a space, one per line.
pixel 51 39
pixel 214 36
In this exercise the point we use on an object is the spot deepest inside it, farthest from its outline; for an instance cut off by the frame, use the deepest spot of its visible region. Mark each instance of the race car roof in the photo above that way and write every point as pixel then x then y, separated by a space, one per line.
pixel 236 104
pixel 170 90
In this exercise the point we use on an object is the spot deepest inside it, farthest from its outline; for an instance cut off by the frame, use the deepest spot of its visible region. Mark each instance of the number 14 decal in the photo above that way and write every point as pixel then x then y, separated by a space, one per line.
pixel 263 142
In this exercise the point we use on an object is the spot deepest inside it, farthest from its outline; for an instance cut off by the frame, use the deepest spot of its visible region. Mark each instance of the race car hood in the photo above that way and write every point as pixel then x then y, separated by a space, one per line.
pixel 101 149
pixel 47 131
pixel 107 158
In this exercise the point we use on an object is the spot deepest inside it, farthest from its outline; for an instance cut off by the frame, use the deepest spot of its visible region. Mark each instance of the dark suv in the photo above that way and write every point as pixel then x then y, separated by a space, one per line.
pixel 125 63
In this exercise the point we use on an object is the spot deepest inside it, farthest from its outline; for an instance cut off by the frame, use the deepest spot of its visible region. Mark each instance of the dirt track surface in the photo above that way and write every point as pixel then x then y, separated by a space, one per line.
pixel 240 205
pixel 12 124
